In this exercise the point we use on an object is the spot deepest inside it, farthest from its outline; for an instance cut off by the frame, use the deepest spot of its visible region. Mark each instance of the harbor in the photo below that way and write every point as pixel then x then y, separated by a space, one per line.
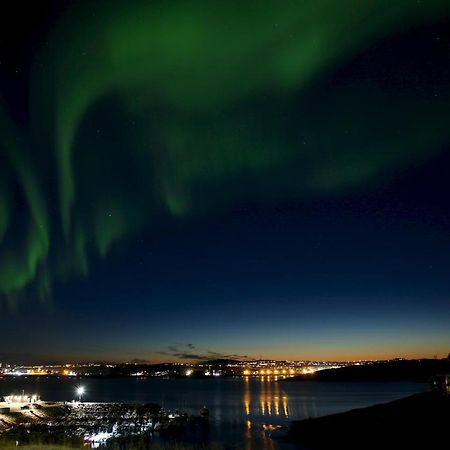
pixel 25 417
pixel 243 413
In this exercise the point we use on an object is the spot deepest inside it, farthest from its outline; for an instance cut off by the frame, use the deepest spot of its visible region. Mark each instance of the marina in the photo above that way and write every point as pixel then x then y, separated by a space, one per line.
pixel 93 424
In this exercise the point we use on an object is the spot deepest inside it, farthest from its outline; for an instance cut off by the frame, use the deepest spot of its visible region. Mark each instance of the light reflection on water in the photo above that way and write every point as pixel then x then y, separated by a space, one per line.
pixel 238 406
pixel 273 401
pixel 270 403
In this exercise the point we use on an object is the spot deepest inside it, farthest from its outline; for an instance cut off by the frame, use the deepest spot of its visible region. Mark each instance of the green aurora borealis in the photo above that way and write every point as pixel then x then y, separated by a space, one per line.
pixel 143 113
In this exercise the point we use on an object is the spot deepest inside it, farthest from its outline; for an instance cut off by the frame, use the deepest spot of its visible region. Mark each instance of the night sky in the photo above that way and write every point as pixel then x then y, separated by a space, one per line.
pixel 189 180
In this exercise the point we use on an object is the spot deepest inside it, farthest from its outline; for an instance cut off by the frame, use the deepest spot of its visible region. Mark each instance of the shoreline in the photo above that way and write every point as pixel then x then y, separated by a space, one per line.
pixel 276 430
pixel 418 420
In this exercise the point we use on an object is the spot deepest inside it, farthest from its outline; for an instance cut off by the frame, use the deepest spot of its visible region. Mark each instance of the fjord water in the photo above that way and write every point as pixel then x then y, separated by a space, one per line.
pixel 238 406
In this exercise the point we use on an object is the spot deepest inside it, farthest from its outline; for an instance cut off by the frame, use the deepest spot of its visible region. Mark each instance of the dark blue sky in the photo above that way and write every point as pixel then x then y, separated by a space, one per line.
pixel 335 279
pixel 239 213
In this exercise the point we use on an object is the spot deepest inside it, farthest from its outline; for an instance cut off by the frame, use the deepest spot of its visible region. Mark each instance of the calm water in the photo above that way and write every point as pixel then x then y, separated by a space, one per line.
pixel 238 406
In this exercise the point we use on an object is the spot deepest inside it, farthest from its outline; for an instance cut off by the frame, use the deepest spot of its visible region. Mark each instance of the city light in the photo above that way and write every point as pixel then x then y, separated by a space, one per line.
pixel 80 392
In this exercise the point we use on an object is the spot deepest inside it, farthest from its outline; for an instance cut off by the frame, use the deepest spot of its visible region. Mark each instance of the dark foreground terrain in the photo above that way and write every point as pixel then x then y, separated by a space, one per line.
pixel 419 421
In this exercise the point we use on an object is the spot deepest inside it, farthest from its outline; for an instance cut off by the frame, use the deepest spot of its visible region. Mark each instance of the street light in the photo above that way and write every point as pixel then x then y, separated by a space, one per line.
pixel 80 392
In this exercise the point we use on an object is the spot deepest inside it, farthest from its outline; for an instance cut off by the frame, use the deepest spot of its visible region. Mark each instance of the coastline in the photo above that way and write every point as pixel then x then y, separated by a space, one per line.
pixel 300 401
pixel 418 371
pixel 418 420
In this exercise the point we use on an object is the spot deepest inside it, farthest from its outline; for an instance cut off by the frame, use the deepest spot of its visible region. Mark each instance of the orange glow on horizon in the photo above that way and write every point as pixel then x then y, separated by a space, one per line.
pixel 320 354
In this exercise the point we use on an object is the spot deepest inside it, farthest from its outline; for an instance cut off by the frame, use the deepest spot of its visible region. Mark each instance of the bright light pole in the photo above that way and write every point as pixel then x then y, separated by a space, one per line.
pixel 80 392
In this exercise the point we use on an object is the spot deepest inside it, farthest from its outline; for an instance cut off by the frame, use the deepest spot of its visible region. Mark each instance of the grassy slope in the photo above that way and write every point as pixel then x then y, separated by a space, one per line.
pixel 420 420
